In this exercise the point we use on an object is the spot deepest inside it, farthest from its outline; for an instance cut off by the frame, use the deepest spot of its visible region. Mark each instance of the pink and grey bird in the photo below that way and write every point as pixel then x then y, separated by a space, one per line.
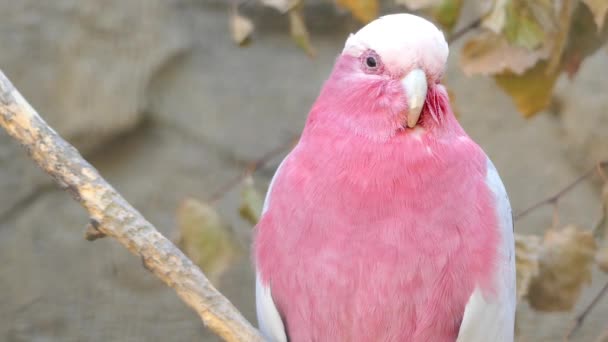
pixel 386 222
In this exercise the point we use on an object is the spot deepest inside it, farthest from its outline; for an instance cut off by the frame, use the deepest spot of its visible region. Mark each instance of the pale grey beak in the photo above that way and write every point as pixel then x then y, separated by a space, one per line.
pixel 415 87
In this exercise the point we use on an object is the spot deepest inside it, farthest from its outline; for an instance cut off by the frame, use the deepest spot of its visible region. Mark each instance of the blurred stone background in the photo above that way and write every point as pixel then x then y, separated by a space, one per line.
pixel 160 100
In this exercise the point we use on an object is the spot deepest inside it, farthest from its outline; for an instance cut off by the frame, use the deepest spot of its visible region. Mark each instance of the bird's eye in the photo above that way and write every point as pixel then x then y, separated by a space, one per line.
pixel 371 62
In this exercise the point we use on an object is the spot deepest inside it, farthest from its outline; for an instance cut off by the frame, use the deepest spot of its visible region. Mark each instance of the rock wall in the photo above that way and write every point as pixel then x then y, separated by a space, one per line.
pixel 86 66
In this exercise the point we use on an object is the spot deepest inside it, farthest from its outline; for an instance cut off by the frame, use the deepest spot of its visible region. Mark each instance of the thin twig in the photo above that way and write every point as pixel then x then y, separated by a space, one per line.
pixel 251 168
pixel 578 321
pixel 116 218
pixel 554 198
pixel 461 32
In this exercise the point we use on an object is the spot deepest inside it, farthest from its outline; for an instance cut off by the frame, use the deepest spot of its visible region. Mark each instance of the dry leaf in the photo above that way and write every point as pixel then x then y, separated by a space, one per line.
pixel 363 10
pixel 446 13
pixel 415 5
pixel 565 266
pixel 599 8
pixel 280 5
pixel 521 27
pixel 241 28
pixel 583 39
pixel 251 202
pixel 489 54
pixel 495 20
pixel 601 258
pixel 532 91
pixel 205 238
pixel 565 18
pixel 527 254
pixel 299 32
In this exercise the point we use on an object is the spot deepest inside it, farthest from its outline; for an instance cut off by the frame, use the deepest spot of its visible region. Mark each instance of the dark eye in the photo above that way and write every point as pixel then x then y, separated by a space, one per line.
pixel 371 62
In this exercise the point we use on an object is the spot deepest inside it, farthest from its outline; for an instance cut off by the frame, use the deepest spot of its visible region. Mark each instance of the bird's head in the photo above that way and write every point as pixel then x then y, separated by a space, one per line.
pixel 386 80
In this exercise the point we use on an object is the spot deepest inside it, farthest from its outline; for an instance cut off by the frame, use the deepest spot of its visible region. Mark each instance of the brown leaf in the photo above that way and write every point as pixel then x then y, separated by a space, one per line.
pixel 363 10
pixel 531 91
pixel 583 39
pixel 489 54
pixel 599 8
pixel 251 202
pixel 560 36
pixel 205 238
pixel 299 32
pixel 565 266
pixel 241 28
pixel 527 254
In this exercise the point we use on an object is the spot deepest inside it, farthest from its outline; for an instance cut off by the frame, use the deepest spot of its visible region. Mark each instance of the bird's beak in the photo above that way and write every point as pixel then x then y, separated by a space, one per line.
pixel 415 87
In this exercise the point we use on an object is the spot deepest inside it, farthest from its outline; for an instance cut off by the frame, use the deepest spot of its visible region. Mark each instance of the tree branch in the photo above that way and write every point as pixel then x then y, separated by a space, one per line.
pixel 580 318
pixel 468 28
pixel 252 167
pixel 116 218
pixel 555 197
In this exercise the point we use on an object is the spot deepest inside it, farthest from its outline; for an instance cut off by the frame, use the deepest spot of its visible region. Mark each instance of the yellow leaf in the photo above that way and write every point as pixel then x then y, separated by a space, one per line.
pixel 205 238
pixel 599 8
pixel 446 13
pixel 565 266
pixel 489 54
pixel 251 202
pixel 241 28
pixel 363 10
pixel 299 32
pixel 531 91
pixel 527 254
pixel 521 28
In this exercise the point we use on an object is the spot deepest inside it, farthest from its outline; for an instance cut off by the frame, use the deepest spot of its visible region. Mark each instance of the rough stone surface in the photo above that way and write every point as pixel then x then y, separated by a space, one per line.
pixel 209 111
pixel 86 66
pixel 583 109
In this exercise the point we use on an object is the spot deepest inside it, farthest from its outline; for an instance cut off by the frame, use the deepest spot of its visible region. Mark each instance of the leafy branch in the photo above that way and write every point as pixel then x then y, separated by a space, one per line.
pixel 524 45
pixel 553 199
pixel 111 215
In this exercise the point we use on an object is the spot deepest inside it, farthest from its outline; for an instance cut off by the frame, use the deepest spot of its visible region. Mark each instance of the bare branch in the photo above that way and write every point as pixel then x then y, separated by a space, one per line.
pixel 463 31
pixel 553 199
pixel 252 167
pixel 578 322
pixel 116 218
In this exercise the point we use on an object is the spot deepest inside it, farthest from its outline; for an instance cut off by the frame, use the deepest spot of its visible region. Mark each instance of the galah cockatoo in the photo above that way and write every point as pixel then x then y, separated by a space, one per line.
pixel 386 222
